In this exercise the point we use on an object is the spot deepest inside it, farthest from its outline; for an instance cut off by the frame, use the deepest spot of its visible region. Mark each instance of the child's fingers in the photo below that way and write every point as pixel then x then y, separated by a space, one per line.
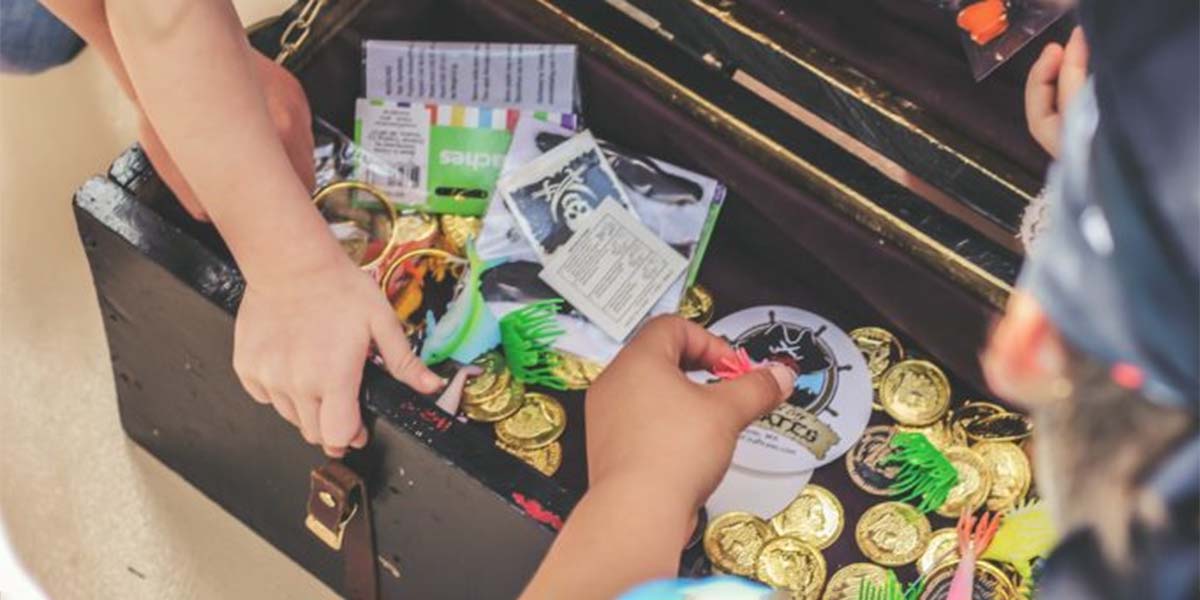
pixel 284 407
pixel 1040 87
pixel 340 420
pixel 360 439
pixel 679 341
pixel 1073 72
pixel 398 356
pixel 754 394
pixel 307 413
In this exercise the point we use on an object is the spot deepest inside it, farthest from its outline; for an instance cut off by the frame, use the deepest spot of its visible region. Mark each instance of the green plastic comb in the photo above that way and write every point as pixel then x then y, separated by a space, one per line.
pixel 924 471
pixel 891 589
pixel 527 336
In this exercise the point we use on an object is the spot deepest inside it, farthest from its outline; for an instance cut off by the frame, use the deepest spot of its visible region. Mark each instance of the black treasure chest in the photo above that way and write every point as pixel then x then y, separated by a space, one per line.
pixel 870 179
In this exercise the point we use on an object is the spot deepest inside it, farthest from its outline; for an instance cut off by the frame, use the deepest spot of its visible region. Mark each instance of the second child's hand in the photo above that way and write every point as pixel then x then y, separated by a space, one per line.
pixel 301 341
pixel 309 315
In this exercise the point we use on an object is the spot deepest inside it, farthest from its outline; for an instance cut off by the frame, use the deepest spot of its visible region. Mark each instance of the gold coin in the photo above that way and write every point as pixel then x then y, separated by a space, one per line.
pixel 500 384
pixel 845 583
pixel 492 364
pixel 880 348
pixel 914 392
pixel 416 227
pixel 974 482
pixel 969 412
pixel 938 434
pixel 1004 427
pixel 546 459
pixel 506 402
pixel 789 563
pixel 862 461
pixel 815 517
pixel 539 422
pixel 942 547
pixel 457 229
pixel 732 542
pixel 990 582
pixel 1010 472
pixel 570 370
pixel 591 369
pixel 480 385
pixel 892 533
pixel 697 305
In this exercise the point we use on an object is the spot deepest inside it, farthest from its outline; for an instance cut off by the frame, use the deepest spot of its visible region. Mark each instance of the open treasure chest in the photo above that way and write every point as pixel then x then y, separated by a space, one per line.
pixel 860 197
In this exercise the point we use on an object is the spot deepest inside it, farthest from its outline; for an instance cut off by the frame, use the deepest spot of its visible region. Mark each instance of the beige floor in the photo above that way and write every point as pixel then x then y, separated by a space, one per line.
pixel 90 514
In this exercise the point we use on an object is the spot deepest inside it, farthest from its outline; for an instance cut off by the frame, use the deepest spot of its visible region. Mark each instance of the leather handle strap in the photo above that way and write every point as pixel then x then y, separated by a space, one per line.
pixel 339 514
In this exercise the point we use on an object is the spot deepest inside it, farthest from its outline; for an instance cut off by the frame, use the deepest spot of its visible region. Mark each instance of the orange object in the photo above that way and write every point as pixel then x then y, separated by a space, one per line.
pixel 984 21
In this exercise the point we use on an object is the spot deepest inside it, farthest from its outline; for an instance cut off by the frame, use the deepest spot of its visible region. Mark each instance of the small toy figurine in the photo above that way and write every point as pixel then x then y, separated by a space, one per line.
pixel 974 535
pixel 984 21
pixel 451 397
pixel 924 471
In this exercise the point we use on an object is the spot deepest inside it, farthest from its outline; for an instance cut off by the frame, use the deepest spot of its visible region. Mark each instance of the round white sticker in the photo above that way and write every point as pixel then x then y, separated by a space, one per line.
pixel 831 404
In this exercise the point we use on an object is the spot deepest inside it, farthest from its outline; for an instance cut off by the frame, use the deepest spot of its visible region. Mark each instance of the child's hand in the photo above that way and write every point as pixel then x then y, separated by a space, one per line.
pixel 288 108
pixel 647 423
pixel 657 445
pixel 301 342
pixel 1053 81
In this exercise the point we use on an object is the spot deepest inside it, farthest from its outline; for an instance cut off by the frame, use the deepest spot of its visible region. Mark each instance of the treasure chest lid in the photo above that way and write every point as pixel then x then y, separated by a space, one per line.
pixel 911 145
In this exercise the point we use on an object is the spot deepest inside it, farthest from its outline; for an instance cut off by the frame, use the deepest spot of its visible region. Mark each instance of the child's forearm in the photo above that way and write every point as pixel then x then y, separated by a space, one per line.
pixel 624 532
pixel 189 66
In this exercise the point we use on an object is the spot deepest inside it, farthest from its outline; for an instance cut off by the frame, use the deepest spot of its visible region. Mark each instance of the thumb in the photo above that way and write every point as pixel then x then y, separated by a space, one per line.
pixel 756 393
pixel 399 357
pixel 1074 70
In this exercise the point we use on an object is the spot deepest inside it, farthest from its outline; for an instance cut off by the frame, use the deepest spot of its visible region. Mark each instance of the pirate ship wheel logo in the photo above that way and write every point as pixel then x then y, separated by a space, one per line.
pixel 803 349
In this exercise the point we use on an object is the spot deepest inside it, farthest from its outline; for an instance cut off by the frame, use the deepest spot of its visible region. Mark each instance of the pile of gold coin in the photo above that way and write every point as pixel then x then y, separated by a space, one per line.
pixel 980 439
pixel 785 552
pixel 577 372
pixel 528 424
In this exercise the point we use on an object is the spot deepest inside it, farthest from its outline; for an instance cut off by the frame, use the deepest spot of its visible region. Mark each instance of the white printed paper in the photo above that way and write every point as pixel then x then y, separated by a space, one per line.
pixel 394 142
pixel 526 76
pixel 613 269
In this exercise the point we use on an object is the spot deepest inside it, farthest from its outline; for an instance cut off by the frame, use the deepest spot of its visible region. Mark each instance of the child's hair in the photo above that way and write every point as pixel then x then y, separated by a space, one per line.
pixel 1095 444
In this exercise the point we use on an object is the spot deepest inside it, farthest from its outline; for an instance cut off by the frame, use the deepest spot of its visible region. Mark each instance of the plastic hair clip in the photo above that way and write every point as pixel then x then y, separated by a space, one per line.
pixel 527 336
pixel 924 471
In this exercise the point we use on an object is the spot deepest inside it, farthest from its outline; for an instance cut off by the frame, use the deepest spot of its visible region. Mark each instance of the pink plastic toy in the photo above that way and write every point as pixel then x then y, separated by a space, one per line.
pixel 973 539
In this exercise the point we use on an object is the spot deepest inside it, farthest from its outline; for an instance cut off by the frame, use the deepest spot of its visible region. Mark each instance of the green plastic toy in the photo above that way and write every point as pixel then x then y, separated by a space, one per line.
pixel 924 472
pixel 527 336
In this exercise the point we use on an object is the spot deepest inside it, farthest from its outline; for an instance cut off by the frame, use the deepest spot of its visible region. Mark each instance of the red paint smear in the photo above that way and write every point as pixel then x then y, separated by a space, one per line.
pixel 534 509
pixel 436 418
